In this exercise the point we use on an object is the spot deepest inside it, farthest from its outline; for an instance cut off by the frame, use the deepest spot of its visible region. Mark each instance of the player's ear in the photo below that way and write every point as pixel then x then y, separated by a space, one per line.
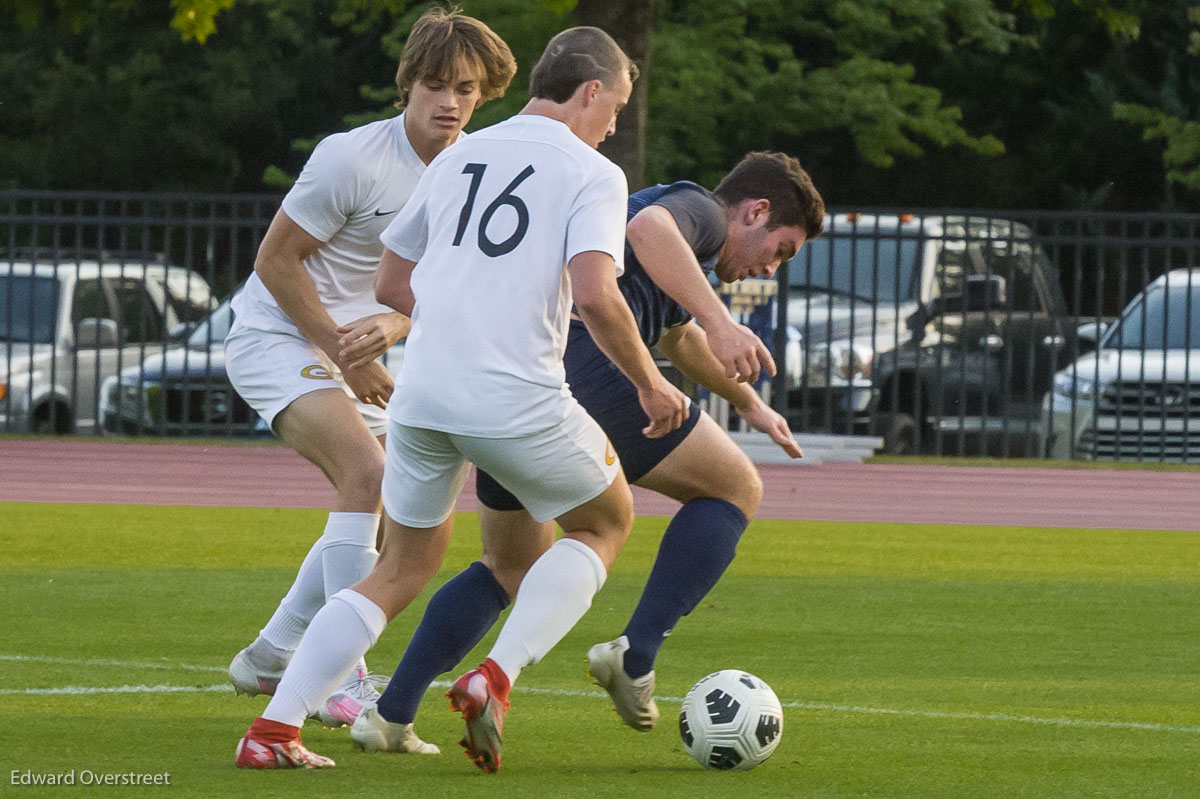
pixel 591 90
pixel 756 212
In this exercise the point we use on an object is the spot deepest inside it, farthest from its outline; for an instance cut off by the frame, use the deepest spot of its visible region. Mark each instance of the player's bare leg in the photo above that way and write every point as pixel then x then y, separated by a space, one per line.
pixel 720 490
pixel 512 543
pixel 326 428
pixel 456 618
pixel 604 523
pixel 554 595
pixel 708 463
pixel 409 559
pixel 343 630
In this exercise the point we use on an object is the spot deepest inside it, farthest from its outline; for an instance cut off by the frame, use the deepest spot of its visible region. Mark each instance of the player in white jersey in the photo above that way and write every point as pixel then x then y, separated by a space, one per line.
pixel 307 335
pixel 509 228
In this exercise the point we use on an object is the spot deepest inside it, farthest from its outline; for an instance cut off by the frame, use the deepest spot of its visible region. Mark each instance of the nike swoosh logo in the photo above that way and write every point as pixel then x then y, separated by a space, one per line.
pixel 609 455
pixel 385 213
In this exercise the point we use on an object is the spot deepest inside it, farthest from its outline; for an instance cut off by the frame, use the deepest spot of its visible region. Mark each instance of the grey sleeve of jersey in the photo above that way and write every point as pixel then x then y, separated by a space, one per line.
pixel 700 218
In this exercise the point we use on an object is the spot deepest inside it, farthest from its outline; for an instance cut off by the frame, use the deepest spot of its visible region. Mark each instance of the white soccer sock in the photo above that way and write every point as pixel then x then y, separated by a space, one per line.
pixel 339 635
pixel 278 640
pixel 348 552
pixel 342 556
pixel 556 592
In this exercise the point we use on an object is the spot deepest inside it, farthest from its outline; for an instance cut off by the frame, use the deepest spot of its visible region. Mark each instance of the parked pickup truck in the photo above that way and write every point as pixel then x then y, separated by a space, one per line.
pixel 65 326
pixel 939 333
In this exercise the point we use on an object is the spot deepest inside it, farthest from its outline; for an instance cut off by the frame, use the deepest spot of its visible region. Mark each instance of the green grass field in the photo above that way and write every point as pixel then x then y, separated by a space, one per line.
pixel 911 660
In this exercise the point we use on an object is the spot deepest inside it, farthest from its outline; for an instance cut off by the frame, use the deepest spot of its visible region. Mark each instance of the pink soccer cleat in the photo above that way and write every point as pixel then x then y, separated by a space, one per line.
pixel 344 707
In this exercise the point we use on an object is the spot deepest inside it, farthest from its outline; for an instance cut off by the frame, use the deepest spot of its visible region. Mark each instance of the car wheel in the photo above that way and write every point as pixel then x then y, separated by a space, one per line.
pixel 48 423
pixel 898 434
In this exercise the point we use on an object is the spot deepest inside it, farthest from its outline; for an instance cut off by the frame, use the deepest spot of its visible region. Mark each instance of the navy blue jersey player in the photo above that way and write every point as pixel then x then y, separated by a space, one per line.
pixel 677 234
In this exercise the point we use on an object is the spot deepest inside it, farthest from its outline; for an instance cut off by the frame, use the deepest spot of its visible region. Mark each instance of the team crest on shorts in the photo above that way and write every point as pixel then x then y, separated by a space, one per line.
pixel 316 372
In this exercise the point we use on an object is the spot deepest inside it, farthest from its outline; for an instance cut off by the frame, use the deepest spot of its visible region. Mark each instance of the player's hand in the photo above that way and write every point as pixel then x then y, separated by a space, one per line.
pixel 666 406
pixel 765 420
pixel 370 383
pixel 740 351
pixel 366 339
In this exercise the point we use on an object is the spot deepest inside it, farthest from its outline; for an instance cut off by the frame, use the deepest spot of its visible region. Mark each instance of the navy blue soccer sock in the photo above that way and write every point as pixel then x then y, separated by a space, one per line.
pixel 697 547
pixel 457 618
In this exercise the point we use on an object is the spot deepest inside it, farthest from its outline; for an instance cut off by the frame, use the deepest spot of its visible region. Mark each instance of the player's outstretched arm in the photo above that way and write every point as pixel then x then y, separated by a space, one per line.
pixel 687 347
pixel 670 262
pixel 280 266
pixel 603 309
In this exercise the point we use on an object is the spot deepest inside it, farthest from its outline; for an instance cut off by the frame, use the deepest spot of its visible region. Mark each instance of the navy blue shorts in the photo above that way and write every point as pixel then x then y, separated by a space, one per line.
pixel 610 399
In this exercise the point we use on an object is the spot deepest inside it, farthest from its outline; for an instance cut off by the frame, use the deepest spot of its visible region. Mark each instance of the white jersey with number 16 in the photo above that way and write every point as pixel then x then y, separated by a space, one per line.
pixel 492 225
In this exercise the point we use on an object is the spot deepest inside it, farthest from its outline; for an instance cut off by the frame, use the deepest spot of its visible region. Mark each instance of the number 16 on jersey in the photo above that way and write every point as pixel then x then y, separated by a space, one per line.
pixel 490 248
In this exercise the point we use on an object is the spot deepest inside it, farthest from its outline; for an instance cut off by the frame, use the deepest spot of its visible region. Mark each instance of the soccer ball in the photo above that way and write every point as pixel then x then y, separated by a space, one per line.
pixel 731 720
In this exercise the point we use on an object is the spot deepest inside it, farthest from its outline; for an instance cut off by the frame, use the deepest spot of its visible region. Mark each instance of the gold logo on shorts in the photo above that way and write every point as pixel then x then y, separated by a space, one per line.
pixel 316 372
pixel 609 455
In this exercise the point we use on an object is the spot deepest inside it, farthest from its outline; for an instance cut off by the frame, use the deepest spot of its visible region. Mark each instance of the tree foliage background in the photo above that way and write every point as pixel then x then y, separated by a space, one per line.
pixel 920 103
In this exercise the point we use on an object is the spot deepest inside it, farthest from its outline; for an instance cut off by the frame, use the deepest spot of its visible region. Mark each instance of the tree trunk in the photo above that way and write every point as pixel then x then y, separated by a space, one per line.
pixel 628 22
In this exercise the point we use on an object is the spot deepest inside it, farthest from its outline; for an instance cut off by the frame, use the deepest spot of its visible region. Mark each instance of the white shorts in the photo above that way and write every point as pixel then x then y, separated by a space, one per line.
pixel 551 471
pixel 272 370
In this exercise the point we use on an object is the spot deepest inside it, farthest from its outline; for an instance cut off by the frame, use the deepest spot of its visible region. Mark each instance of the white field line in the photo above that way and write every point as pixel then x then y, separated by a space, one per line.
pixel 78 690
pixel 85 690
pixel 124 664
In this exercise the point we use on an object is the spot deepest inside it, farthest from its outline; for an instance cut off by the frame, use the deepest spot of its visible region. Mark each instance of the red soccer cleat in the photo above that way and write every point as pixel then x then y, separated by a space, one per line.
pixel 271 745
pixel 481 695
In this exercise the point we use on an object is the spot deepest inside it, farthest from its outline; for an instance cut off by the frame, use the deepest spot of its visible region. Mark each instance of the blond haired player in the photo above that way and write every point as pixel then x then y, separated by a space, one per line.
pixel 304 347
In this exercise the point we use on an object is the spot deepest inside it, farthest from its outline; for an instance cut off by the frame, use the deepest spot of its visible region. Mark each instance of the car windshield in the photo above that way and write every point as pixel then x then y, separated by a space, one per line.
pixel 214 328
pixel 188 295
pixel 875 269
pixel 1166 317
pixel 28 308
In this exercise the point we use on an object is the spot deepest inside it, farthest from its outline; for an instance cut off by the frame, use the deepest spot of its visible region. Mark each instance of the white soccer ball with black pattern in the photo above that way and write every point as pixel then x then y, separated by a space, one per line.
pixel 731 720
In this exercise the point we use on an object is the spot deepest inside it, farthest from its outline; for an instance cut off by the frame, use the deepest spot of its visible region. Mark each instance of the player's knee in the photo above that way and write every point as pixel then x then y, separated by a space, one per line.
pixel 614 509
pixel 744 488
pixel 515 561
pixel 621 519
pixel 360 485
pixel 752 486
pixel 507 574
pixel 614 525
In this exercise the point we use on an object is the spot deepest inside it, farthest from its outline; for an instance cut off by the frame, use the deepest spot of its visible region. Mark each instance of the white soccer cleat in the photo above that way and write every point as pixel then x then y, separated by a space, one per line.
pixel 345 706
pixel 250 679
pixel 632 699
pixel 374 733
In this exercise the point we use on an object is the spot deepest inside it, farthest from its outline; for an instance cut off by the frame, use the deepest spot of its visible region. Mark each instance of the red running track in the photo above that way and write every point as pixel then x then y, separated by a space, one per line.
pixel 68 470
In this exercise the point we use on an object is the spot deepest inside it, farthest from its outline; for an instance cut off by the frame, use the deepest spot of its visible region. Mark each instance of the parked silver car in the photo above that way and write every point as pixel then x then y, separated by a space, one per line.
pixel 1137 397
pixel 66 326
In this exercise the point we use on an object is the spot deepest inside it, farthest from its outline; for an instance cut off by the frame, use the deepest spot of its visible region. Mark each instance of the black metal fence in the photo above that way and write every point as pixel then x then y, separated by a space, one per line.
pixel 976 333
pixel 955 332
pixel 109 316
